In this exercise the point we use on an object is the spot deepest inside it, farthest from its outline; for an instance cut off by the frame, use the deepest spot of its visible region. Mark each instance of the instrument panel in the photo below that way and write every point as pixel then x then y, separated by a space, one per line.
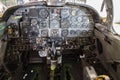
pixel 39 26
pixel 67 21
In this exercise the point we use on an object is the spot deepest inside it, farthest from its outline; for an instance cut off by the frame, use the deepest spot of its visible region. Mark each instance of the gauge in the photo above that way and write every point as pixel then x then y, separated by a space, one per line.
pixel 72 32
pixel 44 33
pixel 54 16
pixel 65 13
pixel 84 32
pixel 74 11
pixel 85 25
pixel 25 30
pixel 79 12
pixel 79 25
pixel 33 12
pixel 42 53
pixel 90 32
pixel 64 33
pixel 34 21
pixel 55 10
pixel 43 13
pixel 73 20
pixel 54 32
pixel 78 32
pixel 54 23
pixel 85 19
pixel 34 32
pixel 79 18
pixel 31 39
pixel 43 24
pixel 65 23
pixel 38 40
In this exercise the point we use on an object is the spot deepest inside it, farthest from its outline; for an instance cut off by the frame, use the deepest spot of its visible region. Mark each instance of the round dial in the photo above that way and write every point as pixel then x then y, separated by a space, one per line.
pixel 54 32
pixel 34 32
pixel 44 33
pixel 65 13
pixel 34 21
pixel 43 24
pixel 74 12
pixel 43 13
pixel 78 32
pixel 65 23
pixel 79 18
pixel 85 25
pixel 73 20
pixel 73 32
pixel 64 33
pixel 79 25
pixel 54 23
pixel 86 19
pixel 90 32
pixel 79 12
pixel 25 30
pixel 84 32
pixel 42 53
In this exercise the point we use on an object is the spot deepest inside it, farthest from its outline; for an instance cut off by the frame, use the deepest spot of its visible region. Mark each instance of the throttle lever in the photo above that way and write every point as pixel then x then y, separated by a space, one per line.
pixel 53 49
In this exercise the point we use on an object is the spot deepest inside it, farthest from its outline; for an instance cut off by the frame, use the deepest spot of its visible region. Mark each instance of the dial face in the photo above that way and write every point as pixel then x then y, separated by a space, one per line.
pixel 55 14
pixel 34 32
pixel 54 32
pixel 44 33
pixel 74 11
pixel 25 30
pixel 86 19
pixel 65 23
pixel 84 32
pixel 43 13
pixel 43 24
pixel 78 32
pixel 85 25
pixel 65 12
pixel 79 18
pixel 90 32
pixel 54 23
pixel 34 21
pixel 64 33
pixel 72 32
pixel 42 53
pixel 80 25
pixel 79 12
pixel 73 20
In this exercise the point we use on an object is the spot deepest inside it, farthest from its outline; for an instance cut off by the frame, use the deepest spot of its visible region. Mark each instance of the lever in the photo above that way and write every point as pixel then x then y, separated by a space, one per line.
pixel 53 48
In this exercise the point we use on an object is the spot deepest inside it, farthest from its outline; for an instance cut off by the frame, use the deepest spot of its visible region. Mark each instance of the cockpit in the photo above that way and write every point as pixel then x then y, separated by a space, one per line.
pixel 54 41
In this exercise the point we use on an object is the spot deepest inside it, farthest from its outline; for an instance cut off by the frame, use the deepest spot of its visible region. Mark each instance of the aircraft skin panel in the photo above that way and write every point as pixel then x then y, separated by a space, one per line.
pixel 111 50
pixel 110 47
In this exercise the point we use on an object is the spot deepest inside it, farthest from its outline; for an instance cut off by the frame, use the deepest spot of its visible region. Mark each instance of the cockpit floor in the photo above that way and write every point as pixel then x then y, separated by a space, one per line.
pixel 69 71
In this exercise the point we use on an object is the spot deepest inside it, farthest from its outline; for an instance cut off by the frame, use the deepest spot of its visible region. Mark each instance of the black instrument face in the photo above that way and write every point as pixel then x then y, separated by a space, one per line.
pixel 33 12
